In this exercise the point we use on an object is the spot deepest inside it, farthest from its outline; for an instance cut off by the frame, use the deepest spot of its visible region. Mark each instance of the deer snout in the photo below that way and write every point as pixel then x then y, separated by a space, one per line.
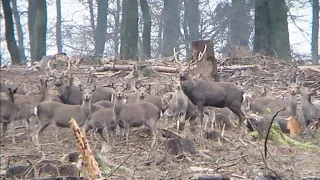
pixel 87 97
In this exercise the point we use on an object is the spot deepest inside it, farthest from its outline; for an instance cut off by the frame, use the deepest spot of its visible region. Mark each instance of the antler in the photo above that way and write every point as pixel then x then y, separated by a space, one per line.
pixel 50 69
pixel 200 56
pixel 176 58
pixel 69 65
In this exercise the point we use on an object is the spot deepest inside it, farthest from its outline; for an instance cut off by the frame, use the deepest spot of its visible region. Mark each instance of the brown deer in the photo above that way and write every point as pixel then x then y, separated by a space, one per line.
pixel 311 113
pixel 50 112
pixel 142 93
pixel 9 112
pixel 134 115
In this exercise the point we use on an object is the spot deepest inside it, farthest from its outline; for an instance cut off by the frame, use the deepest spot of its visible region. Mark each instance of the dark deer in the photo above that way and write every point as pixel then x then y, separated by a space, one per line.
pixel 210 93
pixel 58 78
pixel 134 115
pixel 71 94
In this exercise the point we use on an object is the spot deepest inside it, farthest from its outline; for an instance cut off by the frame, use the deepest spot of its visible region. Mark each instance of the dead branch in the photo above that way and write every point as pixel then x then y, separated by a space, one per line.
pixel 266 140
pixel 85 150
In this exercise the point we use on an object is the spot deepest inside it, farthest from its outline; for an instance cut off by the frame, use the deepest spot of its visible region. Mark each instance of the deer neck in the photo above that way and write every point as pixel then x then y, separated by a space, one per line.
pixel 293 105
pixel 117 107
pixel 86 107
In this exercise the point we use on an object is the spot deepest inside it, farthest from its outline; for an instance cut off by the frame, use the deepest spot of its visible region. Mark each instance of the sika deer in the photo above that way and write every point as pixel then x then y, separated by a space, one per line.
pixel 310 112
pixel 210 93
pixel 71 94
pixel 9 112
pixel 49 112
pixel 102 119
pixel 134 115
pixel 179 105
pixel 143 94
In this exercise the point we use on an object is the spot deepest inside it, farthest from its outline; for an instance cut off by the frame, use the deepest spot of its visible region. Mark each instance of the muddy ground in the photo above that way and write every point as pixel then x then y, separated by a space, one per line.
pixel 238 158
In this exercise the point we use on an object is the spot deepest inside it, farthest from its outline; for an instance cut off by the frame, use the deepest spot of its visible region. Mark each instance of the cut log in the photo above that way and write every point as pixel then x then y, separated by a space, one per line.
pixel 85 150
pixel 166 69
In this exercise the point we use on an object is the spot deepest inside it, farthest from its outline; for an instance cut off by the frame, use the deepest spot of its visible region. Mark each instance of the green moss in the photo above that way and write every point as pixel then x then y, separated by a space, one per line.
pixel 277 135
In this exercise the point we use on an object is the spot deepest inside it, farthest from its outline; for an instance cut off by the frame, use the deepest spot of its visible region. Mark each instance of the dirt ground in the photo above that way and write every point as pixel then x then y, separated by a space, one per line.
pixel 239 158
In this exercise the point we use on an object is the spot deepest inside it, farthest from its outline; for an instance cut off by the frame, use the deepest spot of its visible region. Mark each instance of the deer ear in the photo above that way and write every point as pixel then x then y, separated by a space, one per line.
pixel 149 87
pixel 80 87
pixel 93 88
pixel 113 85
pixel 15 90
pixel 137 85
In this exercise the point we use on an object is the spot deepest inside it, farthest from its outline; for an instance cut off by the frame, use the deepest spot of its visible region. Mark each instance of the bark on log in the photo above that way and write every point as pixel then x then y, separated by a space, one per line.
pixel 85 150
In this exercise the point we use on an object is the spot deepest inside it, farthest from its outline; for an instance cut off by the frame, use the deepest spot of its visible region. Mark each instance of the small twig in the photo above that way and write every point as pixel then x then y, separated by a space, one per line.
pixel 265 142
pixel 32 167
pixel 123 162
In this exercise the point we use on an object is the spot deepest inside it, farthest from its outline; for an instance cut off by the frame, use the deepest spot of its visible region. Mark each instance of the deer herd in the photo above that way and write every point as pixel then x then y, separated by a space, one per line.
pixel 122 105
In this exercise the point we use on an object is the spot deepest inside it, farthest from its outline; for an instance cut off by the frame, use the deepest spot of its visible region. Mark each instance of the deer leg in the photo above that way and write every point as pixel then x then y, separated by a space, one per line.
pixel 121 133
pixel 127 132
pixel 237 110
pixel 12 127
pixel 151 124
pixel 41 128
pixel 100 132
pixel 182 120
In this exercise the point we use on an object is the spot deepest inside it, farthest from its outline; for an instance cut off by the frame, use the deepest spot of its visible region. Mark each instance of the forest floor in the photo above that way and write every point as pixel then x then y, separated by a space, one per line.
pixel 239 158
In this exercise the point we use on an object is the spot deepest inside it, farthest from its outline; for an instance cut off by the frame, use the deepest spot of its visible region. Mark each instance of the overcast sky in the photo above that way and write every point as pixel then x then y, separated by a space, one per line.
pixel 300 37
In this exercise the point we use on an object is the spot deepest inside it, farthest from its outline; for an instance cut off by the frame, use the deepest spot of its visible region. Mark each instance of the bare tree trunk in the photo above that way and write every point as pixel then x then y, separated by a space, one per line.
pixel 271 29
pixel 315 32
pixel 160 39
pixel 101 29
pixel 129 30
pixel 171 31
pixel 240 23
pixel 116 29
pixel 58 27
pixel 192 20
pixel 93 27
pixel 41 29
pixel 9 33
pixel 16 17
pixel 146 28
pixel 32 12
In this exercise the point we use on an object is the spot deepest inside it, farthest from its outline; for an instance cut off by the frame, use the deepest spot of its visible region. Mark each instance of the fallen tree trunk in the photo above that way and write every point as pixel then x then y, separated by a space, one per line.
pixel 166 69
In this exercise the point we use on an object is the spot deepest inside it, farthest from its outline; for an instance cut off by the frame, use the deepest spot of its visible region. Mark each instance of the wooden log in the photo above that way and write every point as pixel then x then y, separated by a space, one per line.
pixel 85 150
pixel 166 69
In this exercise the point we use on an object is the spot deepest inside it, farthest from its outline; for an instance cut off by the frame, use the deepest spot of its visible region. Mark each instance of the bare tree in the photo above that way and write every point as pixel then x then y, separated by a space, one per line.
pixel 58 27
pixel 117 28
pixel 315 32
pixel 146 33
pixel 129 29
pixel 32 12
pixel 41 29
pixel 16 17
pixel 101 29
pixel 171 29
pixel 91 15
pixel 240 18
pixel 271 29
pixel 191 21
pixel 11 41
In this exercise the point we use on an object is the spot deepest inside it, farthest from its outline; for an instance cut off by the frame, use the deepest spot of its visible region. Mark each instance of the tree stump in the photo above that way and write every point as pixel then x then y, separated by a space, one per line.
pixel 208 66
